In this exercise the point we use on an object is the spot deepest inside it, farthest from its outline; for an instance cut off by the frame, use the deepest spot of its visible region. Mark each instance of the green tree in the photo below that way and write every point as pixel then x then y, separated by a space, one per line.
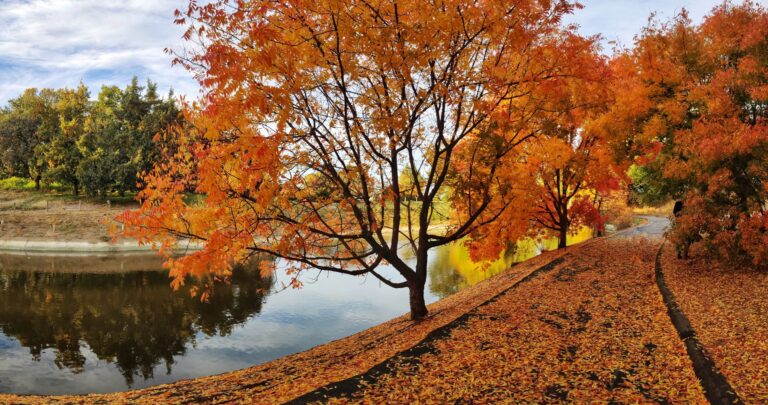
pixel 118 143
pixel 98 145
pixel 27 125
pixel 17 133
pixel 61 153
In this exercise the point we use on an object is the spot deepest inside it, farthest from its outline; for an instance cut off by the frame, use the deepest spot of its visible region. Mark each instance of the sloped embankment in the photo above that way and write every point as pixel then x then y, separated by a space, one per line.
pixel 593 327
pixel 578 325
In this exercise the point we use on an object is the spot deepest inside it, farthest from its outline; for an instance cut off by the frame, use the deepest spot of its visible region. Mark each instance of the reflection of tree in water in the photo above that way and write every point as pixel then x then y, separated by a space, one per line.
pixel 444 279
pixel 452 270
pixel 131 319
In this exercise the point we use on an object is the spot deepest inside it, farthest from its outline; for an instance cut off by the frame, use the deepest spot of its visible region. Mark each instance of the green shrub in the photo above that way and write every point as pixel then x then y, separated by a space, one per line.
pixel 16 184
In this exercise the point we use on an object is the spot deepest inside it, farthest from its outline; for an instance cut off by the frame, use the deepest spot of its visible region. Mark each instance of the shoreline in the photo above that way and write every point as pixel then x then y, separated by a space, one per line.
pixel 50 247
pixel 81 247
pixel 342 359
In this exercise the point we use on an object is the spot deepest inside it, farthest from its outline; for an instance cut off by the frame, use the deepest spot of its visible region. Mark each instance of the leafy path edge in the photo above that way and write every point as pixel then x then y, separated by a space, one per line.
pixel 716 387
pixel 412 354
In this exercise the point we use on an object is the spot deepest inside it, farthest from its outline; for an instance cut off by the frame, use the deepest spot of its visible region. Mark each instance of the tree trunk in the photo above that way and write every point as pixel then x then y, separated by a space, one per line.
pixel 418 306
pixel 563 238
pixel 37 182
pixel 565 223
pixel 76 186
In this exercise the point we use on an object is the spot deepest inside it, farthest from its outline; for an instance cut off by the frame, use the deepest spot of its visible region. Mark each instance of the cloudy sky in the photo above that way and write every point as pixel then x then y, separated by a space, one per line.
pixel 57 43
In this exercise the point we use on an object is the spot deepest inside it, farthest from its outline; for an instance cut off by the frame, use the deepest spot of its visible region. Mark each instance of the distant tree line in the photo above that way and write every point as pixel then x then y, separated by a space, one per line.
pixel 96 146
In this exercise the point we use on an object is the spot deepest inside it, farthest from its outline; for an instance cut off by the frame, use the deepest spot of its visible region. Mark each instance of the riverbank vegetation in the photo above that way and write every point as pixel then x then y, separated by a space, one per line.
pixel 60 139
pixel 694 96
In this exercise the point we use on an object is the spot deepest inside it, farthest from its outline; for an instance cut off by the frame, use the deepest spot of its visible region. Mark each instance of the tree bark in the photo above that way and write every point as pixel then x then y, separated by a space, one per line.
pixel 564 225
pixel 418 306
pixel 563 238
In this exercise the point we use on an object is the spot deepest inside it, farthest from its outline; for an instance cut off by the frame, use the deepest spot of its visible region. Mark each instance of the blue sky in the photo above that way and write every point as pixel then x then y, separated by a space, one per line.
pixel 57 43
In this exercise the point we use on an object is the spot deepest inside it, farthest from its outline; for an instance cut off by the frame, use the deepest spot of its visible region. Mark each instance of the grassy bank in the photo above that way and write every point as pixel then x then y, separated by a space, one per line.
pixel 32 215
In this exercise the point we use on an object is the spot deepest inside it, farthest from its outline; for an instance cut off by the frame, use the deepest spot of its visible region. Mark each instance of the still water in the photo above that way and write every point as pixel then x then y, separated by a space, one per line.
pixel 102 324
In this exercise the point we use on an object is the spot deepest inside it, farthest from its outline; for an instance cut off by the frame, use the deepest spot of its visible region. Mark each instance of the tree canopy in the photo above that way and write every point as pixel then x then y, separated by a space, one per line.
pixel 694 108
pixel 312 112
pixel 62 136
pixel 344 135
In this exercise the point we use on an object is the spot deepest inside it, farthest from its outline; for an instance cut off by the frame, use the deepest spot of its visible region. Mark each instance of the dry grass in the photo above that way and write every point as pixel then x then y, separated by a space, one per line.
pixel 40 216
pixel 660 211
pixel 617 212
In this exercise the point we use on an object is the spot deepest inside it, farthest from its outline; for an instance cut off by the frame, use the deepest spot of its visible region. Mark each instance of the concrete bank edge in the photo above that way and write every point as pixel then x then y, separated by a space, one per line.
pixel 65 247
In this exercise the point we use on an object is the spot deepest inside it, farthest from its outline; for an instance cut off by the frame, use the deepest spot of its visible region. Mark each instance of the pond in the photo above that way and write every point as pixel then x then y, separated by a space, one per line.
pixel 72 324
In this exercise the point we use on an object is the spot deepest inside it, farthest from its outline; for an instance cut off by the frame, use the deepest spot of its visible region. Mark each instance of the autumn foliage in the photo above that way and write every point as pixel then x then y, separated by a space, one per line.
pixel 344 135
pixel 571 161
pixel 312 111
pixel 693 107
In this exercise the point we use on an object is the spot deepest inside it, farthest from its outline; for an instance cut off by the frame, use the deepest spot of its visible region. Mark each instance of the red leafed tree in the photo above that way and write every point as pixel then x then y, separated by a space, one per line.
pixel 313 111
pixel 699 102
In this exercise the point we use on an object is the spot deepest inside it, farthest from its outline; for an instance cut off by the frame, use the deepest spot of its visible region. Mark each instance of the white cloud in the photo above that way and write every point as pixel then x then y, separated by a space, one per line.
pixel 621 20
pixel 56 43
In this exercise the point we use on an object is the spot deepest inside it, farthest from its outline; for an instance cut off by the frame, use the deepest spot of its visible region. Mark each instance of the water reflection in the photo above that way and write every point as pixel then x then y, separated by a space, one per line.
pixel 130 319
pixel 452 270
pixel 100 324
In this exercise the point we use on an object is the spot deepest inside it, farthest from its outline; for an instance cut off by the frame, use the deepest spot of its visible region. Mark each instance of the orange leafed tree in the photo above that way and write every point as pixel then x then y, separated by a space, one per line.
pixel 312 111
pixel 571 159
